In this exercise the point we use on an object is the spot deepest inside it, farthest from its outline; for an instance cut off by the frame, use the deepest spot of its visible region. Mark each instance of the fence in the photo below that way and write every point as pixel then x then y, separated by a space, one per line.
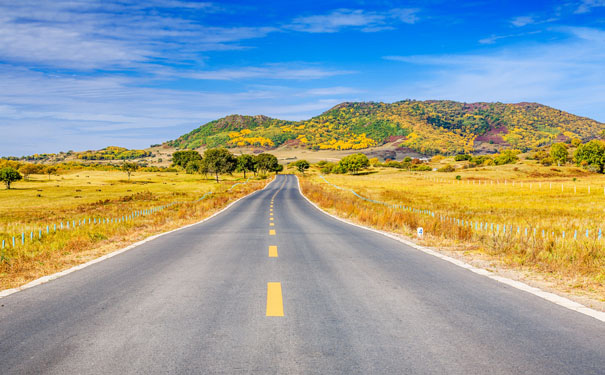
pixel 481 226
pixel 72 224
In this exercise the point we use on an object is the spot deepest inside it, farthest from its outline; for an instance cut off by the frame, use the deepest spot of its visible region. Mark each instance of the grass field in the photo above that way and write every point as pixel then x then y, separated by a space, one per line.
pixel 93 214
pixel 551 203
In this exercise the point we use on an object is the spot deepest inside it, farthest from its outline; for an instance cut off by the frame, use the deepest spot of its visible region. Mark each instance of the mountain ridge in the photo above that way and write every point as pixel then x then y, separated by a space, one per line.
pixel 428 127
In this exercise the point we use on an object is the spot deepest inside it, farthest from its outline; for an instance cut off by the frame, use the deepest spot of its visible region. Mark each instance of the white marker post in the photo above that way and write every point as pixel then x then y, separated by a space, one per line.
pixel 420 232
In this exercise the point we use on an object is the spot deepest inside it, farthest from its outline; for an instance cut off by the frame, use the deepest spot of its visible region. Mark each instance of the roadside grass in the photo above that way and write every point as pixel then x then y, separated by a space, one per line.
pixel 84 195
pixel 535 201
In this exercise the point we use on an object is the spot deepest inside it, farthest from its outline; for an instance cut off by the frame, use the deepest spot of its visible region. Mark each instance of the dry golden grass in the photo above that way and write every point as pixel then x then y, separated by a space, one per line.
pixel 483 196
pixel 78 196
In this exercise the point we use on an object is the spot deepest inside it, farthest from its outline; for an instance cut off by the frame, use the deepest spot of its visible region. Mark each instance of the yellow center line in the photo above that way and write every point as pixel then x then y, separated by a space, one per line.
pixel 275 303
pixel 271 218
pixel 272 251
pixel 272 232
pixel 271 224
pixel 271 214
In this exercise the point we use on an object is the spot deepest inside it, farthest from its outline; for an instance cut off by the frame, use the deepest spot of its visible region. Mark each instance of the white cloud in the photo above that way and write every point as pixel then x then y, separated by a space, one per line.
pixel 522 21
pixel 586 6
pixel 331 91
pixel 363 20
pixel 42 112
pixel 111 35
pixel 568 74
pixel 275 71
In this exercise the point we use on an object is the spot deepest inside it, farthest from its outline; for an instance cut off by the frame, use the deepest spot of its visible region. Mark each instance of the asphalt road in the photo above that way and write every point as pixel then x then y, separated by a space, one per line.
pixel 353 302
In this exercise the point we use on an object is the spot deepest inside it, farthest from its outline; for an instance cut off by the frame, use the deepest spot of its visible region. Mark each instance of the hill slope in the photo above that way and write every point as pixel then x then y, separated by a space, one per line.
pixel 429 127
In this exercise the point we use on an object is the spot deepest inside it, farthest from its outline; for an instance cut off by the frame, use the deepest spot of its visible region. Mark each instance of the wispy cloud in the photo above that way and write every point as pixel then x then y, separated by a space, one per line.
pixel 522 21
pixel 111 35
pixel 565 74
pixel 332 91
pixel 274 71
pixel 366 21
pixel 586 6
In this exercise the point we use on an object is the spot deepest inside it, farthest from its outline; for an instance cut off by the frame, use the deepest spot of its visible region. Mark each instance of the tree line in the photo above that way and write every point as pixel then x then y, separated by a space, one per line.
pixel 217 161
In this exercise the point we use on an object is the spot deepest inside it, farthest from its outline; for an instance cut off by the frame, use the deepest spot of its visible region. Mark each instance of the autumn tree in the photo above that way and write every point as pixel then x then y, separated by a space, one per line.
pixel 219 161
pixel 28 169
pixel 9 175
pixel 50 170
pixel 559 154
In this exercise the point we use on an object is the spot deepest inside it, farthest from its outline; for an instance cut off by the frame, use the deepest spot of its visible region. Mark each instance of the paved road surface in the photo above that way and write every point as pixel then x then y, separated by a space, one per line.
pixel 353 302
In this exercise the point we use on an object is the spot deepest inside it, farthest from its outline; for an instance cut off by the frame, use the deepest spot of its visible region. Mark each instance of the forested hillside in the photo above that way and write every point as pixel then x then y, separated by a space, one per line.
pixel 429 127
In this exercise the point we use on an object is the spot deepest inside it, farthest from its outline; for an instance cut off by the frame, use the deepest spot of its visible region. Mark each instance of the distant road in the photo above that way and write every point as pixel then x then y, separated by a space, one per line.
pixel 307 295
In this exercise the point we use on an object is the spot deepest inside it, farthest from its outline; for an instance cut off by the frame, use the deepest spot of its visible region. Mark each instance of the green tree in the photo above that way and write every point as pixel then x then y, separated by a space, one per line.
pixel 266 162
pixel 591 155
pixel 194 166
pixel 50 170
pixel 129 168
pixel 353 163
pixel 507 157
pixel 246 163
pixel 559 154
pixel 219 161
pixel 278 168
pixel 182 158
pixel 301 165
pixel 9 175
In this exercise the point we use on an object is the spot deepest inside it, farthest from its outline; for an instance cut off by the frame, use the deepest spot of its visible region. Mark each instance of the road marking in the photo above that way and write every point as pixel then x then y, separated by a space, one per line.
pixel 47 278
pixel 272 232
pixel 271 224
pixel 271 218
pixel 271 214
pixel 272 251
pixel 275 303
pixel 271 210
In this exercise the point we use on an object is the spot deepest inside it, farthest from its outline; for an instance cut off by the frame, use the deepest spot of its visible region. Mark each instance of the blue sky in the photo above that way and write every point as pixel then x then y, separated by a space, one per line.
pixel 88 74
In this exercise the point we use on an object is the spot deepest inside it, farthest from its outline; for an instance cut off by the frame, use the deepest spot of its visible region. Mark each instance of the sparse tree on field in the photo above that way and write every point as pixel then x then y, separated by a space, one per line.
pixel 182 158
pixel 353 163
pixel 301 165
pixel 28 169
pixel 246 163
pixel 9 175
pixel 50 170
pixel 129 168
pixel 219 161
pixel 591 155
pixel 266 162
pixel 559 154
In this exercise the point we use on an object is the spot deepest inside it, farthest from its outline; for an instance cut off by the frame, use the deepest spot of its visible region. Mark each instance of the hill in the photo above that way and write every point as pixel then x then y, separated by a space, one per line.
pixel 428 127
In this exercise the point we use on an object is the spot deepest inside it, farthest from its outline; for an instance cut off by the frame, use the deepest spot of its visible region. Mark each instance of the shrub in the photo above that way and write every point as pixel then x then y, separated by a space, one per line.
pixel 463 157
pixel 447 168
pixel 507 157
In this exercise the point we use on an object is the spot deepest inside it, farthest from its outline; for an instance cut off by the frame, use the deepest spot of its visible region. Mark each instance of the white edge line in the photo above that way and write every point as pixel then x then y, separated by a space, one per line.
pixel 554 298
pixel 54 276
